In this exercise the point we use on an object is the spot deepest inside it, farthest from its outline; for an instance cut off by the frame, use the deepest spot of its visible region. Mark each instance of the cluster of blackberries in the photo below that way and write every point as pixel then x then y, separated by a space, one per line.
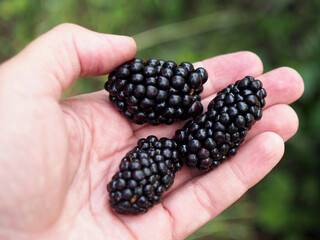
pixel 156 91
pixel 145 173
pixel 215 135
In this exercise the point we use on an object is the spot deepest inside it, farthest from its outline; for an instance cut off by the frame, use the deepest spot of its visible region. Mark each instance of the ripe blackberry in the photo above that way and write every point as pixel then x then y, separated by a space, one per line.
pixel 145 173
pixel 212 137
pixel 156 91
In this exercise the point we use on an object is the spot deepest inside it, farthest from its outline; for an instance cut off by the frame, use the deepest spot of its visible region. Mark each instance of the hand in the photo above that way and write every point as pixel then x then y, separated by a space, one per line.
pixel 57 156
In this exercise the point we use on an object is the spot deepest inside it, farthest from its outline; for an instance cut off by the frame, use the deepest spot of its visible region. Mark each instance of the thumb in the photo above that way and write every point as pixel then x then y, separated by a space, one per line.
pixel 49 64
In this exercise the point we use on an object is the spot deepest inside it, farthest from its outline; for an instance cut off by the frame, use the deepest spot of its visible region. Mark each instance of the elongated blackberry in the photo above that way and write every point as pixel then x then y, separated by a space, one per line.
pixel 156 91
pixel 145 173
pixel 212 137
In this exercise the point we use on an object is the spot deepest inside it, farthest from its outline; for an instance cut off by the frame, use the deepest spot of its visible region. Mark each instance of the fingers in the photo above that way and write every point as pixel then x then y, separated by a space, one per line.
pixel 53 61
pixel 206 196
pixel 225 69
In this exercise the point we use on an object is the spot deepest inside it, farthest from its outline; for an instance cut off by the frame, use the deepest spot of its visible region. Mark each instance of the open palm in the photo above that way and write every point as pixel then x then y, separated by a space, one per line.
pixel 57 156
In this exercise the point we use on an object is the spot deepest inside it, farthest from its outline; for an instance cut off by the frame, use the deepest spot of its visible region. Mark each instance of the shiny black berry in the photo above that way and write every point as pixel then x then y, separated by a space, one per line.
pixel 146 172
pixel 212 137
pixel 157 91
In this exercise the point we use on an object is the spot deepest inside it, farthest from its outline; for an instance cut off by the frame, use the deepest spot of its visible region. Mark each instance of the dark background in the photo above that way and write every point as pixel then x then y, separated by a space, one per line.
pixel 285 205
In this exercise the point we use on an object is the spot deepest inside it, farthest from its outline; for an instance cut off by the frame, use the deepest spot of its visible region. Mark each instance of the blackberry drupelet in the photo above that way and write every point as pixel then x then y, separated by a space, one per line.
pixel 212 137
pixel 156 91
pixel 145 173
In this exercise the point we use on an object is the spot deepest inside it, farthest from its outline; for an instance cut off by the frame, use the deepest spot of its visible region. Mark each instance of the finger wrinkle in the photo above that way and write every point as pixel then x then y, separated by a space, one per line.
pixel 205 198
pixel 113 51
pixel 78 58
pixel 240 174
pixel 65 54
pixel 172 221
pixel 130 231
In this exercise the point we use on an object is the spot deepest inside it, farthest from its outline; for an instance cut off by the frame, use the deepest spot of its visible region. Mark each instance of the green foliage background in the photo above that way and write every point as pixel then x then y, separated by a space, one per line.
pixel 285 205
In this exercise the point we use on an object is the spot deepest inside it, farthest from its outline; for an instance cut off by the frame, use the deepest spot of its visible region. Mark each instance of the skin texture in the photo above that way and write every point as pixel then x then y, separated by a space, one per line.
pixel 57 156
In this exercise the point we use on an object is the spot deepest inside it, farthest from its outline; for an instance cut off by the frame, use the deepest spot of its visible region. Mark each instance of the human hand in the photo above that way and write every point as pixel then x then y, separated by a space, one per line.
pixel 57 156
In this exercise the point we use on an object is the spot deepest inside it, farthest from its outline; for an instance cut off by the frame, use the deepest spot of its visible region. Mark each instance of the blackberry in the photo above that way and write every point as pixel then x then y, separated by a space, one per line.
pixel 145 173
pixel 156 91
pixel 212 137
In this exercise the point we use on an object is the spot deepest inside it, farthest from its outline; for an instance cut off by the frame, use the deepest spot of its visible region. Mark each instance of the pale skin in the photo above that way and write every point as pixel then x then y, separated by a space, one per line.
pixel 57 156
